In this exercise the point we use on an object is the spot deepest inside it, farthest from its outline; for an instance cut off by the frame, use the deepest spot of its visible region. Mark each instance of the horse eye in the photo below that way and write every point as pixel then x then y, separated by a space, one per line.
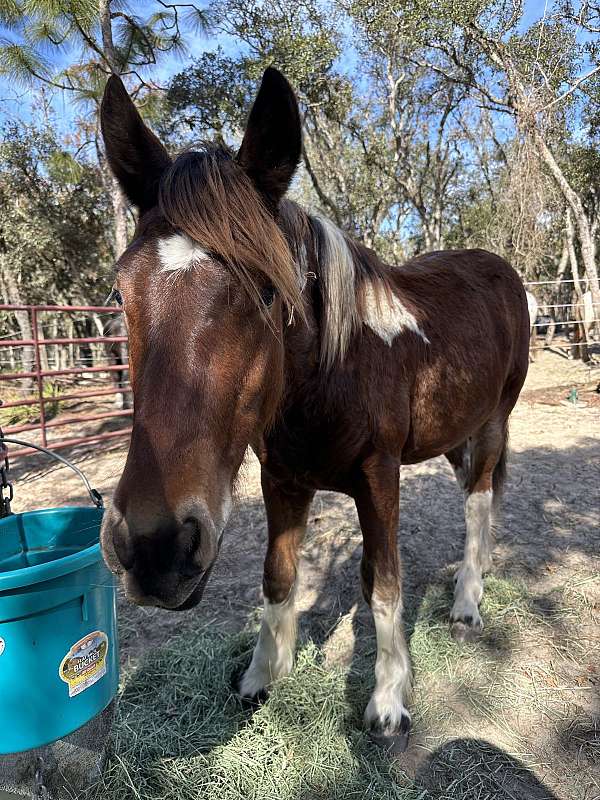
pixel 268 295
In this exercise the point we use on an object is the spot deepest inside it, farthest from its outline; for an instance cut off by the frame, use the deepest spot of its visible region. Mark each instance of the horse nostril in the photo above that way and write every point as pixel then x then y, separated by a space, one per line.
pixel 200 544
pixel 191 535
pixel 123 549
pixel 190 540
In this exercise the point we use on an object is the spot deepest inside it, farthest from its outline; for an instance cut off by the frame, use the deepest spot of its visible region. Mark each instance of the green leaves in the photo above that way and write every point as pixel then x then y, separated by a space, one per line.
pixel 11 12
pixel 209 97
pixel 22 63
pixel 409 106
pixel 54 217
pixel 100 36
pixel 64 168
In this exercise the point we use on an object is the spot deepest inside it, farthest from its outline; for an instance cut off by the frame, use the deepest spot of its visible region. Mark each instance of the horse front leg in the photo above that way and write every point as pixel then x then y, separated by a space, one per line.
pixel 377 499
pixel 287 513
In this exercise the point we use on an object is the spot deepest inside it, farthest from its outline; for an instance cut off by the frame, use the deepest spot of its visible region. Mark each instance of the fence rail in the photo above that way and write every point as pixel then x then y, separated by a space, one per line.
pixel 38 376
pixel 581 316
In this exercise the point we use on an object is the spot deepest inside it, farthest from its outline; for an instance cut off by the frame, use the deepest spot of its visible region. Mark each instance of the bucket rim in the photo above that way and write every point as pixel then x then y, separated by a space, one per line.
pixel 58 568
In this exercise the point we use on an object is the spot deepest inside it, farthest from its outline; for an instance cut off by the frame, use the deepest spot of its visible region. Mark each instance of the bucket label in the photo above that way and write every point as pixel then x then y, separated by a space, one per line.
pixel 85 663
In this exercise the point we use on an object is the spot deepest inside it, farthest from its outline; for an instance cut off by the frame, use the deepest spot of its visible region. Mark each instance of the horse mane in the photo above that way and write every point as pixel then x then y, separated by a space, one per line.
pixel 353 281
pixel 209 197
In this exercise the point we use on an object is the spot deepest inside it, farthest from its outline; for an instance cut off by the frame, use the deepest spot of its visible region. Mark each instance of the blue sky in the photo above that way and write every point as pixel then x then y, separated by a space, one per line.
pixel 16 101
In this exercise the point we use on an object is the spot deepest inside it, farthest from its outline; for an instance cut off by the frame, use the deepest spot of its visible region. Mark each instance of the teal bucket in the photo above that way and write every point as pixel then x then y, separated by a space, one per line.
pixel 59 664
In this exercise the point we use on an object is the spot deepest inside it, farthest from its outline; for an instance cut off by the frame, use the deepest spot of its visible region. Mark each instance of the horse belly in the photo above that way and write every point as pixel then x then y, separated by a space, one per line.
pixel 445 414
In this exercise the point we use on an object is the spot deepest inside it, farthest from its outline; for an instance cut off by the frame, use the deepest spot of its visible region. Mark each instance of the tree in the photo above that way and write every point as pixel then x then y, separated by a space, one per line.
pixel 381 148
pixel 103 37
pixel 55 241
pixel 537 76
pixel 55 236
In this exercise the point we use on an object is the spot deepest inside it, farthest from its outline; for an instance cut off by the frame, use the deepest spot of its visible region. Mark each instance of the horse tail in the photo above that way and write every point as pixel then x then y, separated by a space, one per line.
pixel 500 470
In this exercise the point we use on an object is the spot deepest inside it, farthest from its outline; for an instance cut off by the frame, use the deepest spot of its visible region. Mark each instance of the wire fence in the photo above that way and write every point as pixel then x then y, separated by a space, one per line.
pixel 568 321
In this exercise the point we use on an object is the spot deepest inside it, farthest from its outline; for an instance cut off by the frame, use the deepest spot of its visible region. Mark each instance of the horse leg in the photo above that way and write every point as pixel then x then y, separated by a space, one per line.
pixel 479 468
pixel 377 496
pixel 287 513
pixel 532 344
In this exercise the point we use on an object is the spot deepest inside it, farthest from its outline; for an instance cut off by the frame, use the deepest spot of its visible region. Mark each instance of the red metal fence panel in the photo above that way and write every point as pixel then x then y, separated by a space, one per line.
pixel 38 375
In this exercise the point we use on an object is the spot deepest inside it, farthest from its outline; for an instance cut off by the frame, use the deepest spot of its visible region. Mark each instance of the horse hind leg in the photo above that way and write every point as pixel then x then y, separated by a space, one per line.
pixel 532 344
pixel 479 466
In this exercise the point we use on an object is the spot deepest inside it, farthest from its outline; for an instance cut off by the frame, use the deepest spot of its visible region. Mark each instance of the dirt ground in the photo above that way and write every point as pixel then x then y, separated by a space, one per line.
pixel 549 542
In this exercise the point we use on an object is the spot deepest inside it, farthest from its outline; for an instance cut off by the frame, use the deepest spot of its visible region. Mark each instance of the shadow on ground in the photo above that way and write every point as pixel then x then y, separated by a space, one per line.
pixel 474 768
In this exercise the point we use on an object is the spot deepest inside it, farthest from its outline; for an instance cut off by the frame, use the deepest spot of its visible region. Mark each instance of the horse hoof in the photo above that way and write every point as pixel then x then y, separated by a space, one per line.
pixel 249 701
pixel 465 631
pixel 393 742
pixel 255 701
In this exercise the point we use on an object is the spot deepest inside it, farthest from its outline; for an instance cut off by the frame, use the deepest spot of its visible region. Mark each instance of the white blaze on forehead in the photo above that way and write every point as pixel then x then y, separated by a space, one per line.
pixel 179 252
pixel 387 316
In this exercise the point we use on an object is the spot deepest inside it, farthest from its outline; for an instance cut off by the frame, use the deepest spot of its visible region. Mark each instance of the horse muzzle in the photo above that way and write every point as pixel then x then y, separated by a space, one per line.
pixel 166 566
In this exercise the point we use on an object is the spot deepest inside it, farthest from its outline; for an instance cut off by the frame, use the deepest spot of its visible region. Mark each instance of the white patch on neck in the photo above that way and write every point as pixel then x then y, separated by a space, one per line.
pixel 179 252
pixel 386 316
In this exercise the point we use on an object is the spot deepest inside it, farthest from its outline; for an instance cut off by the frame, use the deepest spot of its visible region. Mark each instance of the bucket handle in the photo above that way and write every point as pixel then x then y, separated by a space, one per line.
pixel 94 494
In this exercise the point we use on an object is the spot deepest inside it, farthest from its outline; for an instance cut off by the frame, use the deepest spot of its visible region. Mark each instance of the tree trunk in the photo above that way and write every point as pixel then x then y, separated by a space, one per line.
pixel 43 349
pixel 119 203
pixel 12 294
pixel 108 45
pixel 562 265
pixel 580 350
pixel 584 227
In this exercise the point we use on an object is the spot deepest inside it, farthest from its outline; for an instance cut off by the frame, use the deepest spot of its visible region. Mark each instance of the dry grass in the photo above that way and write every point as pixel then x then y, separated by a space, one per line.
pixel 182 733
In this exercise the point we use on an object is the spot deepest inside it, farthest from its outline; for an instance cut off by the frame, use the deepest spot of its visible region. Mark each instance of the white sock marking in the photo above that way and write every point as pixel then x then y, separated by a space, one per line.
pixel 273 655
pixel 392 668
pixel 469 585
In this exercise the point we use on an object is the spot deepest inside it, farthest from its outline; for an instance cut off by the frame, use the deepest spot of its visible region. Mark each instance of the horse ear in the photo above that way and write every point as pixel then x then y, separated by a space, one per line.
pixel 272 143
pixel 136 157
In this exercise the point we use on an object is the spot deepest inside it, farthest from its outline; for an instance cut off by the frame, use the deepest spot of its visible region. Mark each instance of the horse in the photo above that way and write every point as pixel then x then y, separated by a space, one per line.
pixel 585 319
pixel 532 307
pixel 253 323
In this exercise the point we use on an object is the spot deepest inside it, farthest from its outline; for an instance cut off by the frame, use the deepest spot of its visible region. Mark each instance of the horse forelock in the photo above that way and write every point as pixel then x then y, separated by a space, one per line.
pixel 216 212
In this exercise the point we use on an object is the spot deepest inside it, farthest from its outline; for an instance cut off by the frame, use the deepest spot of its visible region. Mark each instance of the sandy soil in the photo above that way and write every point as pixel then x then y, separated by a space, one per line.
pixel 550 538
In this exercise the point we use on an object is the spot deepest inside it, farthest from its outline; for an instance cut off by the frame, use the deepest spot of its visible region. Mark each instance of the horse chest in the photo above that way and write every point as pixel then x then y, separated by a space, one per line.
pixel 316 453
